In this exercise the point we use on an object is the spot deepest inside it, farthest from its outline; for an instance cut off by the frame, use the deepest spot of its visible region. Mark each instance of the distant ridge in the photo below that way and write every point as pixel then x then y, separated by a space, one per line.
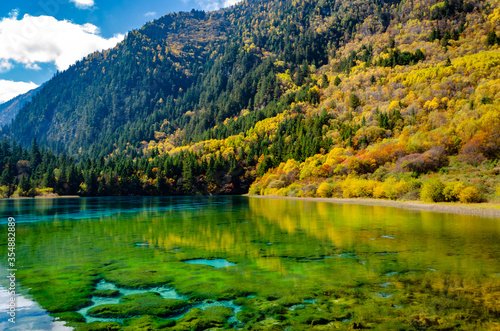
pixel 9 109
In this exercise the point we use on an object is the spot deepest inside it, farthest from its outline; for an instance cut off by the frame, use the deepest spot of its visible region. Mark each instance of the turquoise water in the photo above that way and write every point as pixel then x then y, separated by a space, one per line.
pixel 216 263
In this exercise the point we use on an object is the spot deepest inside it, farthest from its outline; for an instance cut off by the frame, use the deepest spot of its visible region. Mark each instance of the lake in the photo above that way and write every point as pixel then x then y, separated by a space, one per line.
pixel 182 263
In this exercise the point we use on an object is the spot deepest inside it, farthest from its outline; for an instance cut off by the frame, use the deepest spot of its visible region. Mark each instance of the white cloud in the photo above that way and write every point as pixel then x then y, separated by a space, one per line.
pixel 44 39
pixel 83 4
pixel 14 13
pixel 33 66
pixel 10 89
pixel 210 5
pixel 228 3
pixel 5 65
pixel 150 13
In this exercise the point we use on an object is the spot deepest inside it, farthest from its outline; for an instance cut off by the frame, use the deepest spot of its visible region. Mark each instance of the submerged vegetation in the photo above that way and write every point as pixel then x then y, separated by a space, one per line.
pixel 297 264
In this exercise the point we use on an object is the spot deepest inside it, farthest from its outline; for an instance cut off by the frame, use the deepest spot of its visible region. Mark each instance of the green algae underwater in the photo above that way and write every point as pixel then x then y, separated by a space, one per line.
pixel 254 264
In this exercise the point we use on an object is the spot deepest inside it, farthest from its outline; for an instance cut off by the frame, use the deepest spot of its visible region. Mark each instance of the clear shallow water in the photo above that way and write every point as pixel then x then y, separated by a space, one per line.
pixel 29 315
pixel 165 292
pixel 216 263
pixel 280 253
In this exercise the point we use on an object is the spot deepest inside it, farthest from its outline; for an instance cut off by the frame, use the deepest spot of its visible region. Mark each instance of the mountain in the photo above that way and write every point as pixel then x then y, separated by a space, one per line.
pixel 185 71
pixel 9 109
pixel 383 99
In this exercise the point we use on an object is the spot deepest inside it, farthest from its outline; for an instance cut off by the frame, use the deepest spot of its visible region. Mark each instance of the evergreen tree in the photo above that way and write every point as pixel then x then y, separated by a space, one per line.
pixel 8 173
pixel 35 156
pixel 25 185
pixel 491 38
pixel 49 179
pixel 188 175
pixel 336 81
pixel 354 101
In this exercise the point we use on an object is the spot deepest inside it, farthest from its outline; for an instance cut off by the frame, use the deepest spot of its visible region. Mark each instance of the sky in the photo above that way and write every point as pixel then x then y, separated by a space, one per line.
pixel 40 37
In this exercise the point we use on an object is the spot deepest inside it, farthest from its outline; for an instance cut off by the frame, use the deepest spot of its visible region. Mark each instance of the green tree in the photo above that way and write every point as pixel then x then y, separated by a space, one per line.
pixel 35 156
pixel 25 185
pixel 354 101
pixel 8 173
pixel 188 175
pixel 491 38
pixel 266 164
pixel 49 179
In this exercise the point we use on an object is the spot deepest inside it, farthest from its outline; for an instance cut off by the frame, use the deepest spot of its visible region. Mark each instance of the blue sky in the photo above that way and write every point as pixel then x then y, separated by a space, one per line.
pixel 39 37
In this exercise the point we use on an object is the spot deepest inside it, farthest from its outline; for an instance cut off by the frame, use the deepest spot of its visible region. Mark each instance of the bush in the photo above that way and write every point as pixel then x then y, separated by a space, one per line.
pixel 293 190
pixel 255 188
pixel 324 190
pixel 432 190
pixel 4 191
pixel 310 191
pixel 431 160
pixel 497 190
pixel 391 189
pixel 379 191
pixel 400 189
pixel 276 183
pixel 470 195
pixel 451 192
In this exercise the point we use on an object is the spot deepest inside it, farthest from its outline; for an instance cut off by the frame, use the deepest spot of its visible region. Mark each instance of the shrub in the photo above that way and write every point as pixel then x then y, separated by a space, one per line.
pixel 379 191
pixel 497 190
pixel 266 180
pixel 255 188
pixel 324 190
pixel 470 195
pixel 432 190
pixel 390 189
pixel 310 190
pixel 431 160
pixel 351 188
pixel 276 183
pixel 400 189
pixel 282 192
pixel 4 191
pixel 293 190
pixel 452 191
pixel 358 187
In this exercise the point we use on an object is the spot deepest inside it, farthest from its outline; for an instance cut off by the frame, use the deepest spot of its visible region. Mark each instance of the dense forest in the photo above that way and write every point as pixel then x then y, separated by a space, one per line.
pixel 382 99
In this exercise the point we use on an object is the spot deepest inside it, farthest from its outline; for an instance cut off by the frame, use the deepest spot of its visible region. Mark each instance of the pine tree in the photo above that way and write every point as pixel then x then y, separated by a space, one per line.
pixel 188 175
pixel 48 179
pixel 354 101
pixel 8 173
pixel 35 156
pixel 491 38
pixel 25 185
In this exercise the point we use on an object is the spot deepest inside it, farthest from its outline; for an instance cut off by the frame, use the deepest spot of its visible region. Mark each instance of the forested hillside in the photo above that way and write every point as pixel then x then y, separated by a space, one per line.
pixel 9 109
pixel 397 100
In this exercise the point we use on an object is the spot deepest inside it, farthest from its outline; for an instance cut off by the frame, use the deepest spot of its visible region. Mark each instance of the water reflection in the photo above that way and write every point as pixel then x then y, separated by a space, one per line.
pixel 29 315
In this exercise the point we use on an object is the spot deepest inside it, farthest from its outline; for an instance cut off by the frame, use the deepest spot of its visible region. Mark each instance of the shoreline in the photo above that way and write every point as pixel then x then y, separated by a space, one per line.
pixel 485 209
pixel 478 209
pixel 47 196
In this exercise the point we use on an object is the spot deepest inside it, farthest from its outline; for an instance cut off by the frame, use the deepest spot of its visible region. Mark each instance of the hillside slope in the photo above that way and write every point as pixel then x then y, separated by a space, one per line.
pixel 9 109
pixel 186 72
